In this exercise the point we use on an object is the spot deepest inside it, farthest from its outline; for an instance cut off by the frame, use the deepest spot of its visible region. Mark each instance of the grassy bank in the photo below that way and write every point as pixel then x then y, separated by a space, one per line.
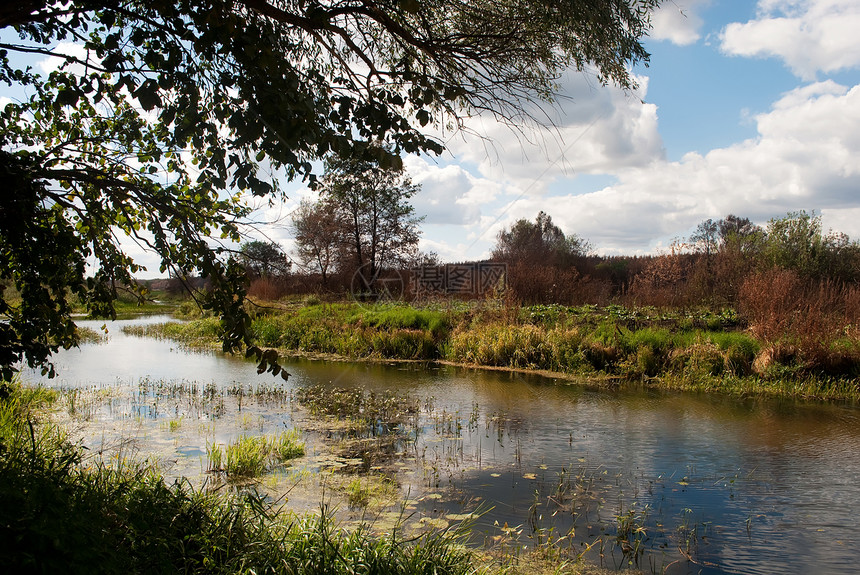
pixel 703 351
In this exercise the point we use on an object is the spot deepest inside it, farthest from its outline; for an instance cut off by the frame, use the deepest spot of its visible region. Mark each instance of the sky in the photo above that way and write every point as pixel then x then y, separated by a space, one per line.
pixel 746 108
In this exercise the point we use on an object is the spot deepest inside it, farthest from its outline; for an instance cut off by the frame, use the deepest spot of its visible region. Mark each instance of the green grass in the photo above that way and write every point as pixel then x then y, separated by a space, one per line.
pixel 254 455
pixel 402 317
pixel 202 332
pixel 288 445
pixel 247 456
pixel 679 346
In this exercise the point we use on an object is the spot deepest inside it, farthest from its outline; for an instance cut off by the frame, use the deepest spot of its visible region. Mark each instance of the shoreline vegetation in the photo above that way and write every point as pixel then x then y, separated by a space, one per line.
pixel 64 509
pixel 700 351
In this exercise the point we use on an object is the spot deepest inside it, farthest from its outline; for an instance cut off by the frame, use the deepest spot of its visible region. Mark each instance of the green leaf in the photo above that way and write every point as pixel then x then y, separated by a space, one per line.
pixel 147 94
pixel 67 97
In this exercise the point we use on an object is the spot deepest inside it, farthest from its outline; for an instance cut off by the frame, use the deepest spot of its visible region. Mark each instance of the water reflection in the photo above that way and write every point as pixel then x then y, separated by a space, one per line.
pixel 670 482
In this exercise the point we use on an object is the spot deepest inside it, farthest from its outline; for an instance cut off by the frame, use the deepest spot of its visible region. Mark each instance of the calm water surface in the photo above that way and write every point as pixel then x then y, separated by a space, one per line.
pixel 674 483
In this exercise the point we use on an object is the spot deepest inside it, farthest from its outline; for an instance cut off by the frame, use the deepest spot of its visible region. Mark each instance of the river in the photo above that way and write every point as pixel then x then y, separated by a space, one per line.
pixel 664 482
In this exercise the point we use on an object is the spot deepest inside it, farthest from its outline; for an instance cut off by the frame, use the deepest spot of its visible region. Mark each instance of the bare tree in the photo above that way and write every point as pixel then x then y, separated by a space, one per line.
pixel 318 237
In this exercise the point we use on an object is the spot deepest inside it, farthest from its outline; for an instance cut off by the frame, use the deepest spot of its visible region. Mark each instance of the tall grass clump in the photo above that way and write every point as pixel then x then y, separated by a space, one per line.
pixel 288 445
pixel 202 332
pixel 384 332
pixel 253 455
pixel 565 346
pixel 502 345
pixel 247 456
pixel 739 350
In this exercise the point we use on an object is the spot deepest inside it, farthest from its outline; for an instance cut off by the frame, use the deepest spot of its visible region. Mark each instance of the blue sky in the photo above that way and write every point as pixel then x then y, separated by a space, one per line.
pixel 751 108
pixel 746 108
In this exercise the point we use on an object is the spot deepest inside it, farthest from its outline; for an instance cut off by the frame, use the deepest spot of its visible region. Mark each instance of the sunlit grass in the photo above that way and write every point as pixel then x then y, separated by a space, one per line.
pixel 253 455
pixel 616 342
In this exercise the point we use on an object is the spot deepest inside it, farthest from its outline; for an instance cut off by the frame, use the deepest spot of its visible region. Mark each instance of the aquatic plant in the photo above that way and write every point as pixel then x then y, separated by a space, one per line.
pixel 126 519
pixel 288 445
pixel 253 455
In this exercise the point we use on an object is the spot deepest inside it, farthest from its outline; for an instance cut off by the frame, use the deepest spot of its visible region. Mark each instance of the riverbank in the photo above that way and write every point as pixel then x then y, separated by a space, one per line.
pixel 63 509
pixel 674 350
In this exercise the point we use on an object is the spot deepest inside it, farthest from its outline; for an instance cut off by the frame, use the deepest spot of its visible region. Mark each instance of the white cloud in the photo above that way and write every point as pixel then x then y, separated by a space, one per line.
pixel 449 194
pixel 53 63
pixel 594 129
pixel 678 22
pixel 803 158
pixel 811 37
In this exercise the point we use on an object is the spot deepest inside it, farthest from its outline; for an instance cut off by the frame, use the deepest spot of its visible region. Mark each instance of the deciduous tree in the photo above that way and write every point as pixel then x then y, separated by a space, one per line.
pixel 539 241
pixel 264 259
pixel 376 225
pixel 318 236
pixel 798 242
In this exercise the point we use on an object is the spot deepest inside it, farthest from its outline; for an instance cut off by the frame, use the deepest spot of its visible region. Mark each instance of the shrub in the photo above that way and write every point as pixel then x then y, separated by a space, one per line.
pixel 702 357
pixel 267 289
pixel 662 282
pixel 812 317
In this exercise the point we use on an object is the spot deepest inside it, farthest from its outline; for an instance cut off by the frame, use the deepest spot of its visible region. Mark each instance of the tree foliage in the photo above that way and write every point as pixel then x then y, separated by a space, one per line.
pixel 160 114
pixel 712 236
pixel 363 222
pixel 539 241
pixel 264 259
pixel 798 242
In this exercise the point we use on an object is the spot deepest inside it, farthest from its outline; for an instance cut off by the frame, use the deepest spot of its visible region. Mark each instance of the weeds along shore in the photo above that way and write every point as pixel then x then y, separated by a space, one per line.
pixel 679 349
pixel 59 513
pixel 62 512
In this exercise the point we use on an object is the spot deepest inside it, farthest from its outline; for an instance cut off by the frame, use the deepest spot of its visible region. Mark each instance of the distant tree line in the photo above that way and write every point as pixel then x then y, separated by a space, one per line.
pixel 368 230
pixel 710 267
